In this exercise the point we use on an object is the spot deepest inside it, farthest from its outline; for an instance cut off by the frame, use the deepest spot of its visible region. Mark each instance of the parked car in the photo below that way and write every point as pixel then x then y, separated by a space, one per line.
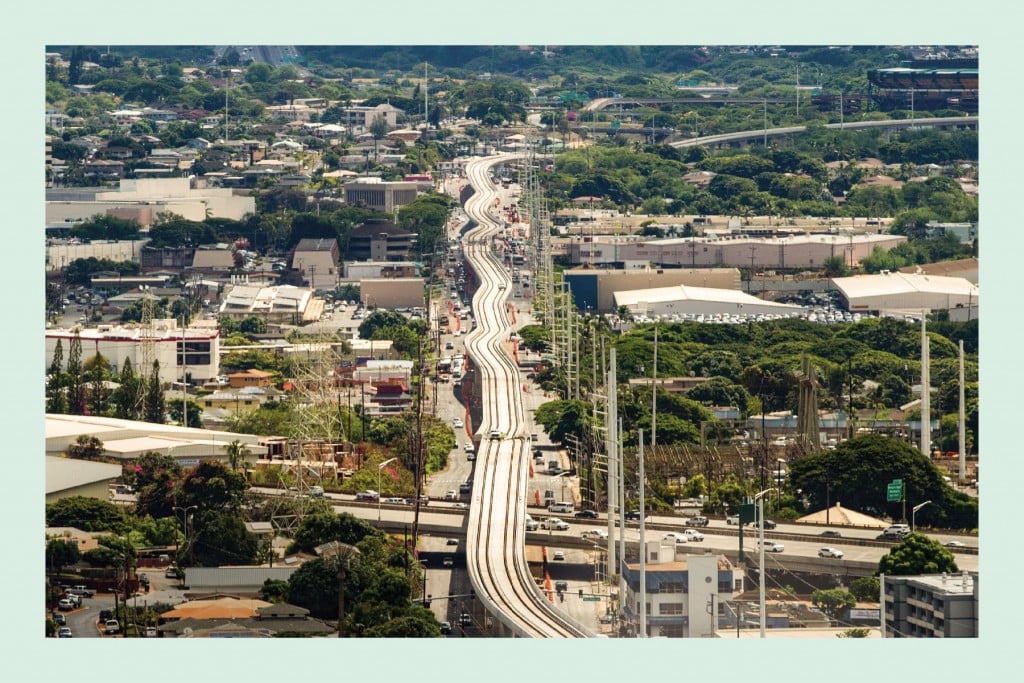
pixel 151 632
pixel 697 521
pixel 470 448
pixel 831 552
pixel 771 546
pixel 111 626
pixel 586 514
pixel 105 614
pixel 171 572
pixel 65 605
pixel 59 618
pixel 82 591
pixel 64 632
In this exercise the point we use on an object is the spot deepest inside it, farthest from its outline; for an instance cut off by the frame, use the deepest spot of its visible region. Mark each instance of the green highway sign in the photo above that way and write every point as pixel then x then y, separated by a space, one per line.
pixel 591 598
pixel 894 492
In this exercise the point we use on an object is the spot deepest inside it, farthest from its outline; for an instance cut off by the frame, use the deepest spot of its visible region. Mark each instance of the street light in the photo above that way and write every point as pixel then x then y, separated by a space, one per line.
pixel 913 513
pixel 760 542
pixel 184 524
pixel 379 468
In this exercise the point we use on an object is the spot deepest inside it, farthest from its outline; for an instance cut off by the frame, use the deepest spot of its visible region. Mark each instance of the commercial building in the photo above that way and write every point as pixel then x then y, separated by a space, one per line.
pixel 380 195
pixel 142 199
pixel 379 240
pixel 181 352
pixel 392 293
pixel 931 606
pixel 280 303
pixel 683 597
pixel 318 260
pixel 806 251
pixel 66 477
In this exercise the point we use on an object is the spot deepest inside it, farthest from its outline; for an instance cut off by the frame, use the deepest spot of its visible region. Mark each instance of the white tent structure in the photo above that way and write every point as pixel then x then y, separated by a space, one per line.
pixel 840 516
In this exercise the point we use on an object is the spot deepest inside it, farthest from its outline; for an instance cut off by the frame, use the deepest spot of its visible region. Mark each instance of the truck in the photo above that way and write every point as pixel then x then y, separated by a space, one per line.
pixel 81 591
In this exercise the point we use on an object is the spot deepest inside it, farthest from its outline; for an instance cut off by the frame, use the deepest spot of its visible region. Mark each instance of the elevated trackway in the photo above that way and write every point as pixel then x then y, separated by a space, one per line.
pixel 495 533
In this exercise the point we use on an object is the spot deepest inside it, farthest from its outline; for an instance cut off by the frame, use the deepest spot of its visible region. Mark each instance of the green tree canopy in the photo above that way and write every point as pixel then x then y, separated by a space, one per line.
pixel 917 554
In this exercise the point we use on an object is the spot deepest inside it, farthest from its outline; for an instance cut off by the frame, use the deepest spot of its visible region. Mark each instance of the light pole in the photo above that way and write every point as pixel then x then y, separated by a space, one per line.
pixel 184 525
pixel 913 513
pixel 760 550
pixel 379 468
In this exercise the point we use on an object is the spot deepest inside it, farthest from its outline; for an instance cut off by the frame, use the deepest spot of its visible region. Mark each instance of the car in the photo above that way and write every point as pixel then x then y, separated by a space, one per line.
pixel 82 591
pixel 586 514
pixel 561 586
pixel 532 524
pixel 955 544
pixel 693 535
pixel 451 495
pixel 368 495
pixel 769 524
pixel 448 561
pixel 64 632
pixel 65 605
pixel 599 534
pixel 111 626
pixel 76 600
pixel 465 619
pixel 495 435
pixel 394 501
pixel 105 614
pixel 831 552
pixel 697 521
pixel 830 533
pixel 451 541
pixel 675 536
pixel 446 628
pixel 555 524
pixel 888 535
pixel 465 487
pixel 460 505
pixel 558 556
pixel 171 572
pixel 771 546
pixel 150 632
pixel 469 448
pixel 449 346
pixel 457 422
pixel 59 619
pixel 732 519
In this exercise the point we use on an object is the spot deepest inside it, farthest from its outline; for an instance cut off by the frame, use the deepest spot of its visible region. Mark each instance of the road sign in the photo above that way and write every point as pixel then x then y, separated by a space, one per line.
pixel 591 598
pixel 894 492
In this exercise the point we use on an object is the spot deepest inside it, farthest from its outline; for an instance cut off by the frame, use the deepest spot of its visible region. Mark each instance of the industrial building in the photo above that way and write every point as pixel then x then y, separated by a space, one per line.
pixel 392 293
pixel 379 195
pixel 906 293
pixel 699 301
pixel 593 289
pixel 378 240
pixel 282 303
pixel 317 260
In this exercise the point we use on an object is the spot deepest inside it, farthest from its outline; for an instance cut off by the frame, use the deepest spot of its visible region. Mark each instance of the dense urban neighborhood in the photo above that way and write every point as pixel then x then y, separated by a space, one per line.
pixel 511 341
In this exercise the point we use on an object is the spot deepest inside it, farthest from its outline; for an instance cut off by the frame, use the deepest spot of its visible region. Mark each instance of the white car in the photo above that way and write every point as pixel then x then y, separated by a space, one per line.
pixel 556 524
pixel 600 534
pixel 693 535
pixel 558 556
pixel 675 536
pixel 831 552
pixel 457 422
pixel 772 546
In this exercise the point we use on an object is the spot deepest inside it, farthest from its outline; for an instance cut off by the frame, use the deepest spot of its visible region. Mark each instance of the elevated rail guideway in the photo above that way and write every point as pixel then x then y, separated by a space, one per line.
pixel 496 530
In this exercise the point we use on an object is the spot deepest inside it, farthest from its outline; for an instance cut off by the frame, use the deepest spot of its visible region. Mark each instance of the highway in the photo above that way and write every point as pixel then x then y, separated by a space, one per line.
pixel 495 535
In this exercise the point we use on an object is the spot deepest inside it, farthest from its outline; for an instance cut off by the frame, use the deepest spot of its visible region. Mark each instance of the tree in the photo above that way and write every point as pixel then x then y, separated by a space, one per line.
pixel 220 537
pixel 917 554
pixel 154 405
pixel 237 452
pixel 61 553
pixel 99 395
pixel 86 448
pixel 178 408
pixel 834 601
pixel 85 513
pixel 127 398
pixel 314 586
pixel 274 590
pixel 865 589
pixel 75 382
pixel 156 477
pixel 56 398
pixel 561 418
pixel 213 486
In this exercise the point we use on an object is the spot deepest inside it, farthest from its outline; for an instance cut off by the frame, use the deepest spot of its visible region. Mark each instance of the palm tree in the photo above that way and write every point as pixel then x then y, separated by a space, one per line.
pixel 237 452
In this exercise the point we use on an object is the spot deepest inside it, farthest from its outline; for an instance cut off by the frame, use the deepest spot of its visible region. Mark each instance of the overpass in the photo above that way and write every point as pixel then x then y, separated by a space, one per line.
pixel 751 135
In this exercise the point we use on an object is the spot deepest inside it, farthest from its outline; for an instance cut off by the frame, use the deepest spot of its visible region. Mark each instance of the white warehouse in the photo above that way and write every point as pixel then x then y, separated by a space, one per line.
pixel 908 293
pixel 705 301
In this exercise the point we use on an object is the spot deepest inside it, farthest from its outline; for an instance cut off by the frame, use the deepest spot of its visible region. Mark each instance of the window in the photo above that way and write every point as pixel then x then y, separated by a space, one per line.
pixel 670 608
pixel 670 587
